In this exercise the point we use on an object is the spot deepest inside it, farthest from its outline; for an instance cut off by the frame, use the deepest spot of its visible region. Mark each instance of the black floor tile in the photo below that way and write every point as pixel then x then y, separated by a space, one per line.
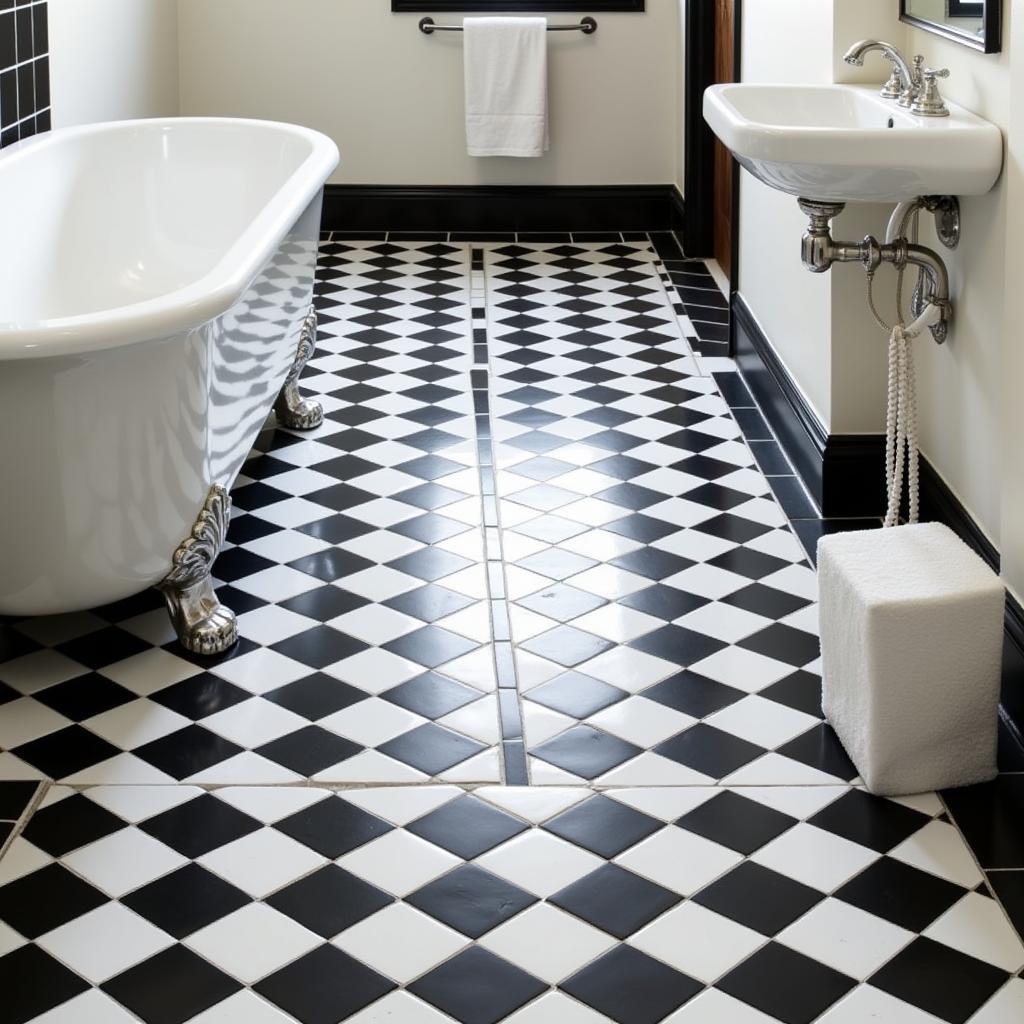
pixel 615 900
pixel 737 822
pixel 67 751
pixel 759 898
pixel 15 798
pixel 575 694
pixel 471 900
pixel 33 982
pixel 199 826
pixel 329 901
pixel 171 987
pixel 939 980
pixel 603 826
pixel 990 817
pixel 784 643
pixel 709 750
pixel 315 696
pixel 431 646
pixel 309 750
pixel 631 987
pixel 69 824
pixel 86 696
pixel 431 749
pixel 45 899
pixel 820 748
pixel 186 900
pixel 477 987
pixel 566 645
pixel 324 986
pixel 800 691
pixel 786 985
pixel 900 893
pixel 693 694
pixel 1009 888
pixel 333 827
pixel 467 827
pixel 586 751
pixel 320 646
pixel 431 695
pixel 869 820
pixel 767 601
pixel 677 644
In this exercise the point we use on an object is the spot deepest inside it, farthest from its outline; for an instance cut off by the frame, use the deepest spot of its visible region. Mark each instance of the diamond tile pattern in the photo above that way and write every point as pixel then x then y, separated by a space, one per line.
pixel 354 549
pixel 626 936
pixel 648 498
pixel 529 532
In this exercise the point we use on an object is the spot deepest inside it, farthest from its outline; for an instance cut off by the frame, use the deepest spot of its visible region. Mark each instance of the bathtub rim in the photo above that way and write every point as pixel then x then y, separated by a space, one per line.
pixel 205 298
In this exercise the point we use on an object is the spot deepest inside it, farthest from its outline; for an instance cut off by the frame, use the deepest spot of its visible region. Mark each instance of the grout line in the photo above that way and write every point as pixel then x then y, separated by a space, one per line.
pixel 42 788
pixel 990 888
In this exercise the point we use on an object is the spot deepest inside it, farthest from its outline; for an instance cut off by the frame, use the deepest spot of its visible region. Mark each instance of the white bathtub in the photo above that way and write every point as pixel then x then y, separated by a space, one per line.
pixel 155 278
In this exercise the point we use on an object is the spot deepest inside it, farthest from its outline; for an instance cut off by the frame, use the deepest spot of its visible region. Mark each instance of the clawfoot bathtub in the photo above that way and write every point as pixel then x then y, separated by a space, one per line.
pixel 155 305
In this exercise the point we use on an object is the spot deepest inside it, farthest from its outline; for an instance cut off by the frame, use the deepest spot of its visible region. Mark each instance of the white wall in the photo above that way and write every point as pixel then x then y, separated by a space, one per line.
pixel 392 97
pixel 962 381
pixel 112 59
pixel 1011 366
pixel 833 357
pixel 971 416
pixel 792 306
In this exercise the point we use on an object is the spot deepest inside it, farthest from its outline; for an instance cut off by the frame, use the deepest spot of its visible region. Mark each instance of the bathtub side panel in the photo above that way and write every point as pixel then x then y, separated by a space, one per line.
pixel 253 347
pixel 109 455
pixel 103 471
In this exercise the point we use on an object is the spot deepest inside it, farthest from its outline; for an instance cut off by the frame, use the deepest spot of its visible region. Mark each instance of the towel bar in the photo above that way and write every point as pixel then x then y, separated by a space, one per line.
pixel 588 26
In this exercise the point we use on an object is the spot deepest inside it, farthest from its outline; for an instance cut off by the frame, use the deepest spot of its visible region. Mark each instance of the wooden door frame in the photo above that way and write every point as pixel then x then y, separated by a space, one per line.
pixel 698 144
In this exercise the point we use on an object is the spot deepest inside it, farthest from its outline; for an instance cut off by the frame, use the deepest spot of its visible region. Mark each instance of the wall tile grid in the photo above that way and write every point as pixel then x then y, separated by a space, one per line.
pixel 24 70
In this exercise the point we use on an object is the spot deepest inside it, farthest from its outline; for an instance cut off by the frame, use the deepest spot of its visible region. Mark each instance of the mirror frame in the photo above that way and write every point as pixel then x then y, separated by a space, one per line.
pixel 993 23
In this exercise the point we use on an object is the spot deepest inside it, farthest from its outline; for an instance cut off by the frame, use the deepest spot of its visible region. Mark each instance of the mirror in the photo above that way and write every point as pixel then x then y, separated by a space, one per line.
pixel 975 23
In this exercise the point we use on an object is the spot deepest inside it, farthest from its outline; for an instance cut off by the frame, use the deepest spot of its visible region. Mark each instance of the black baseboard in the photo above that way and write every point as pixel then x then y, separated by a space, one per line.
pixel 501 208
pixel 678 215
pixel 845 476
pixel 843 473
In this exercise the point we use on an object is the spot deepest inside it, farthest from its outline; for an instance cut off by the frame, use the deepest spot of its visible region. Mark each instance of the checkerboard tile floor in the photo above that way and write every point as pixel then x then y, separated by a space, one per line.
pixel 530 546
pixel 663 611
pixel 431 904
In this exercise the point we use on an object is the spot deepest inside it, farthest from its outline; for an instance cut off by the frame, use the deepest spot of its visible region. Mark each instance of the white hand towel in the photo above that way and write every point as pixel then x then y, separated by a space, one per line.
pixel 506 67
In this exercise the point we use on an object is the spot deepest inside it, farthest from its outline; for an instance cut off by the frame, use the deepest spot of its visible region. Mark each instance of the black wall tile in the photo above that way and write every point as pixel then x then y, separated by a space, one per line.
pixel 24 70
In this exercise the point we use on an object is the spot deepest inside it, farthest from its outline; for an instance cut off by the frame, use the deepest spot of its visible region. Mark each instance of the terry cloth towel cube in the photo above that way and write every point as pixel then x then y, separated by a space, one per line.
pixel 506 71
pixel 911 641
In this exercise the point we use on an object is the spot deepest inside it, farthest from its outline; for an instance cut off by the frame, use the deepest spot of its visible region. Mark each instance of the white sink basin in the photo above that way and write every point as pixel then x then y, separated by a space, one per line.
pixel 846 143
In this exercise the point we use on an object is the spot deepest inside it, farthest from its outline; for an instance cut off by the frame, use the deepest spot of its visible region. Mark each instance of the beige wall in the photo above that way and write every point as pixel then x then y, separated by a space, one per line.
pixel 392 97
pixel 113 59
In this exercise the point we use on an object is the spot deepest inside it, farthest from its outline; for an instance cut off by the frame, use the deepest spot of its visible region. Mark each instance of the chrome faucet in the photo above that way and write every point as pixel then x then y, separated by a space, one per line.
pixel 904 82
pixel 912 85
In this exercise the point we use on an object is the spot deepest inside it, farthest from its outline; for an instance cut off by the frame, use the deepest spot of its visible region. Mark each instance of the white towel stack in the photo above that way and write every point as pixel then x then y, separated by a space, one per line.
pixel 506 67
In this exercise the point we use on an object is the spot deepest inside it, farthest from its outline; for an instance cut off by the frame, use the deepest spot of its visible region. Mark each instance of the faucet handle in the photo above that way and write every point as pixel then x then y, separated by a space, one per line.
pixel 894 88
pixel 912 88
pixel 929 102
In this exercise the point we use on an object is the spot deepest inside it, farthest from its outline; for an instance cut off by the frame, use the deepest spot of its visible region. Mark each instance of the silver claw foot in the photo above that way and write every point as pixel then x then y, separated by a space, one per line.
pixel 203 624
pixel 292 409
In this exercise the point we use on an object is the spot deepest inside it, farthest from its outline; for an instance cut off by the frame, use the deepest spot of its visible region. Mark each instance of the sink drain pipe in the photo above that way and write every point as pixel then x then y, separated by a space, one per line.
pixel 930 306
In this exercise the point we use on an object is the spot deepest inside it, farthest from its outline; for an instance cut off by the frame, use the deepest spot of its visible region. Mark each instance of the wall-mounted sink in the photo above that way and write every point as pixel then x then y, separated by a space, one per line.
pixel 846 143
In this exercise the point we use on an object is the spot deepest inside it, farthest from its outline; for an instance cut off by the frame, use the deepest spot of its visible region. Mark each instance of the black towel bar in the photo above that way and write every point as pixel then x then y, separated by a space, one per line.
pixel 588 26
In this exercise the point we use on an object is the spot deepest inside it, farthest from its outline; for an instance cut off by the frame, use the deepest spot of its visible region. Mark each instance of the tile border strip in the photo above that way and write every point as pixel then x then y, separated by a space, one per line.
pixel 513 747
